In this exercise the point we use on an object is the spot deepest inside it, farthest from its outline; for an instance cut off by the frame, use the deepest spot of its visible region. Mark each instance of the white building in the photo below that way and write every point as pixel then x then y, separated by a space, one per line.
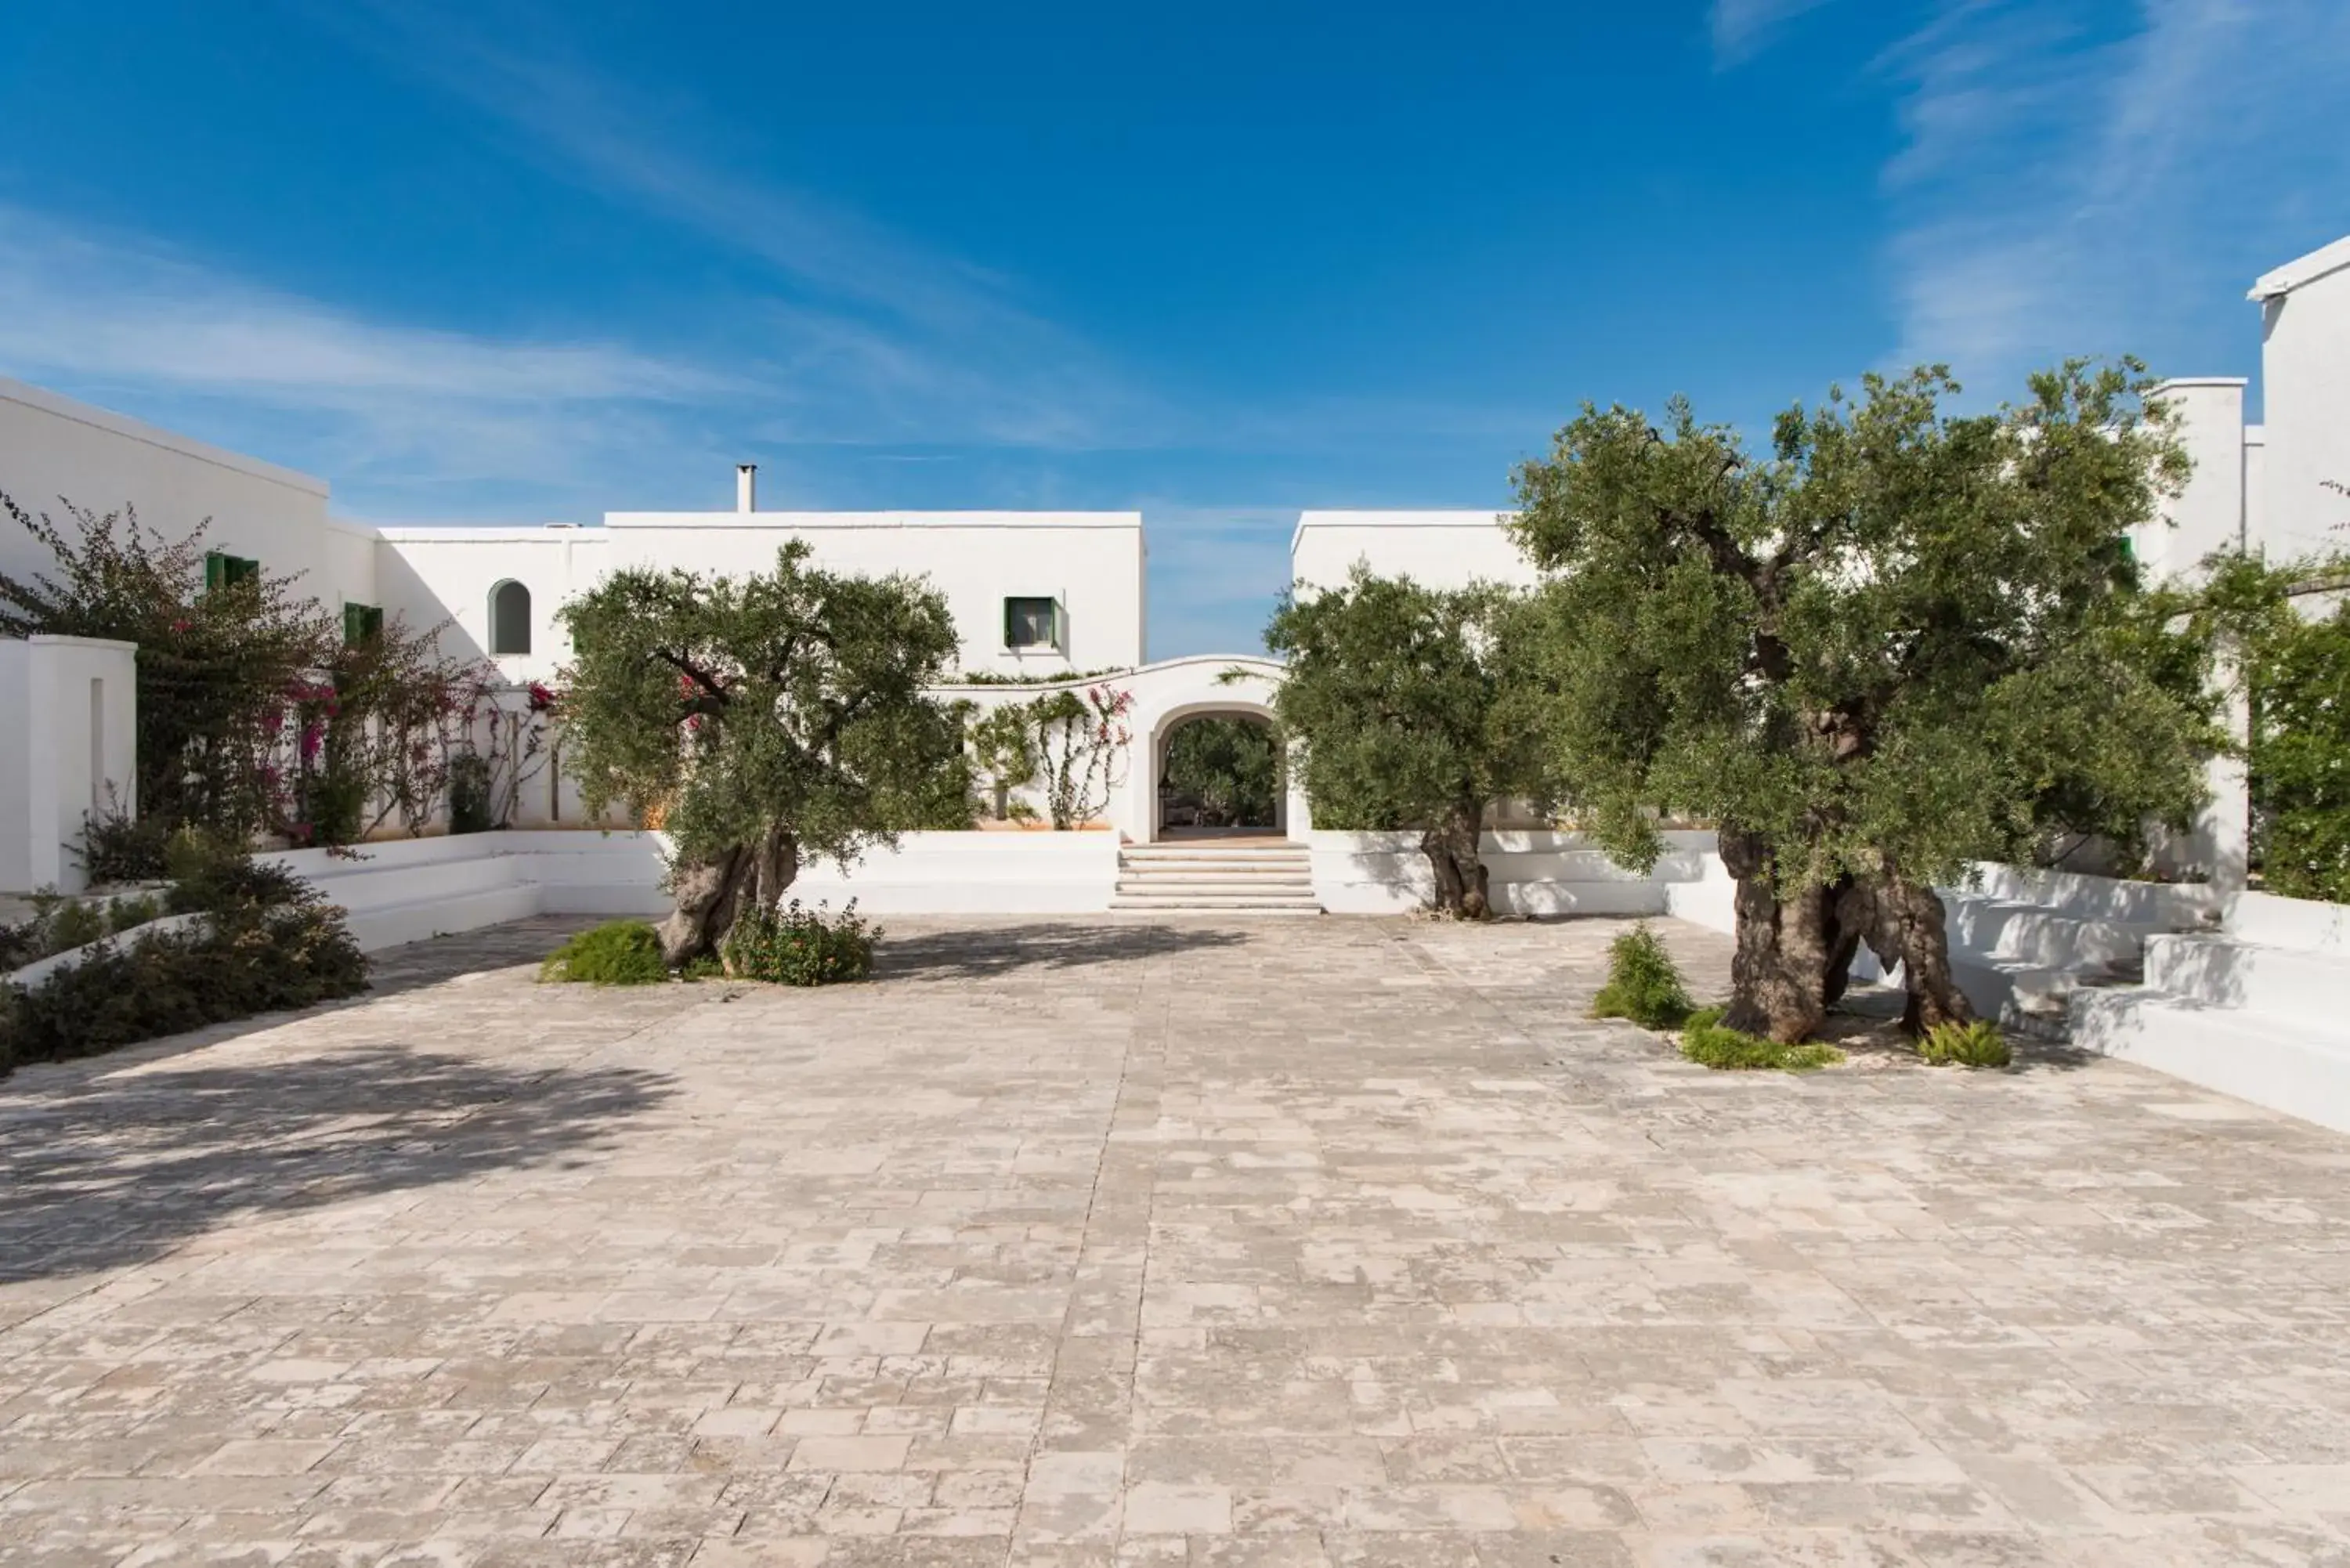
pixel 1036 595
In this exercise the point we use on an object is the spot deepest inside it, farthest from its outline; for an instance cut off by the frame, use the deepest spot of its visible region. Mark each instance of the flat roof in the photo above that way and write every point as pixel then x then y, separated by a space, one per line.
pixel 2301 270
pixel 123 425
pixel 819 520
pixel 1397 518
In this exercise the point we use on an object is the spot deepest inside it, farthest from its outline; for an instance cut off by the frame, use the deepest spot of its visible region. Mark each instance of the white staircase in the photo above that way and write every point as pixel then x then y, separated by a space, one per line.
pixel 2256 1009
pixel 1205 877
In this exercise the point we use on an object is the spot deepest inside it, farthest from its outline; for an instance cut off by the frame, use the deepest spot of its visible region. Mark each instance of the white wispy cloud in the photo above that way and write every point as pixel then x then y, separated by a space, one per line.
pixel 2065 188
pixel 1742 28
pixel 921 342
pixel 390 411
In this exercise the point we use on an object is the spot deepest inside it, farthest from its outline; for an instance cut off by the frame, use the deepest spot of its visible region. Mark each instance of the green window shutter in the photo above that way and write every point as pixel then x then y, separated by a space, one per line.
pixel 361 623
pixel 242 570
pixel 215 569
pixel 1011 631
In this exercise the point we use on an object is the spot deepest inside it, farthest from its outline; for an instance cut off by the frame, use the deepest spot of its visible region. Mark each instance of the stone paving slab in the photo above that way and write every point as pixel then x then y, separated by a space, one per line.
pixel 1301 1244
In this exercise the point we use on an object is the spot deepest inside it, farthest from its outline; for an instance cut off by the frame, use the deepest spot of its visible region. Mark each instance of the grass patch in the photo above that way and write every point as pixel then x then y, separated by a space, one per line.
pixel 1976 1044
pixel 1644 984
pixel 1705 1041
pixel 620 952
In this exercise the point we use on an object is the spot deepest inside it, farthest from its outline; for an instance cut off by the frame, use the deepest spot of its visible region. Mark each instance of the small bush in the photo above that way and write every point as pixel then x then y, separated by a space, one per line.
pixel 119 849
pixel 620 952
pixel 800 946
pixel 128 914
pixel 1643 983
pixel 1976 1044
pixel 254 959
pixel 1705 1041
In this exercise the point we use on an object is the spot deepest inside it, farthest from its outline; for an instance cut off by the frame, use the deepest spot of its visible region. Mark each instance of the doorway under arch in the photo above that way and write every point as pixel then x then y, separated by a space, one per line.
pixel 1219 774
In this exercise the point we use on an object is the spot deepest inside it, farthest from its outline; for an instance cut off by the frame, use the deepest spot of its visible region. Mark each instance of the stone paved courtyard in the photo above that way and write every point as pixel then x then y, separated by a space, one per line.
pixel 1300 1243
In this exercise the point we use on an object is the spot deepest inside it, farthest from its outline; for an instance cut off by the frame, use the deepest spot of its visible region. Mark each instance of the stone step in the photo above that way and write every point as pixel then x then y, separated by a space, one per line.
pixel 2287 984
pixel 2301 1072
pixel 2000 928
pixel 1247 886
pixel 1211 903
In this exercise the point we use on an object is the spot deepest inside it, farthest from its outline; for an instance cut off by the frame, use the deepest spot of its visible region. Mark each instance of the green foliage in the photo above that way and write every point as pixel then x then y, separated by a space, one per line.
pixel 1976 1044
pixel 1398 700
pixel 270 942
pixel 993 678
pixel 1408 707
pixel 798 946
pixel 1070 741
pixel 1230 767
pixel 791 701
pixel 469 795
pixel 1903 634
pixel 1644 984
pixel 1707 1042
pixel 2295 669
pixel 1898 641
pixel 702 966
pixel 619 952
pixel 117 847
pixel 255 713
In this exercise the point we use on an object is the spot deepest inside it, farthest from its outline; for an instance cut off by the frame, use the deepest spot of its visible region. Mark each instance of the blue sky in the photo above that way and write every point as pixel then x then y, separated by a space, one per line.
pixel 511 260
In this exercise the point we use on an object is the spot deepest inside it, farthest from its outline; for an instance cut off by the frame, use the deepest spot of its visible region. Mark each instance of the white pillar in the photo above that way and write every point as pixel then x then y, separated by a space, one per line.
pixel 69 707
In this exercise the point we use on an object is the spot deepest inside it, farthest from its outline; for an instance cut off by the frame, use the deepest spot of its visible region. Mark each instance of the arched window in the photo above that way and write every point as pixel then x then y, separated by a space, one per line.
pixel 510 618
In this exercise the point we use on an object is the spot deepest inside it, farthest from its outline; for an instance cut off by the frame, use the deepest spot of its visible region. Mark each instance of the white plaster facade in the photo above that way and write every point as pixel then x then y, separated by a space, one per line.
pixel 1441 548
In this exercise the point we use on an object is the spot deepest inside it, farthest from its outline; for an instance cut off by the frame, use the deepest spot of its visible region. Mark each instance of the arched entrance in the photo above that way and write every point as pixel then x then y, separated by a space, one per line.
pixel 1167 696
pixel 1221 775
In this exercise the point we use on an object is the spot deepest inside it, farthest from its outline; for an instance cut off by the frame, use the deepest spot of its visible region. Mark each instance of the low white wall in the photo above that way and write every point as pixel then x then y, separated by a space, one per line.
pixel 410 889
pixel 1529 873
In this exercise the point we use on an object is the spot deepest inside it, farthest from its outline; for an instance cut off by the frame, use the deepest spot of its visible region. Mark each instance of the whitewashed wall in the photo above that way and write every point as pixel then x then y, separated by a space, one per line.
pixel 1092 562
pixel 2305 387
pixel 1437 549
pixel 51 446
pixel 68 705
pixel 435 575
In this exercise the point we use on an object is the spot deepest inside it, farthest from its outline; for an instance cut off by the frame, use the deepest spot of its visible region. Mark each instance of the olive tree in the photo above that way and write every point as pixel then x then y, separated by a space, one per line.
pixel 1402 705
pixel 1900 640
pixel 765 718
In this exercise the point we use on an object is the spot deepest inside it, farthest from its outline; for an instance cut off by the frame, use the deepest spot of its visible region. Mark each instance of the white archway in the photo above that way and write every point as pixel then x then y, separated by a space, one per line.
pixel 1168 693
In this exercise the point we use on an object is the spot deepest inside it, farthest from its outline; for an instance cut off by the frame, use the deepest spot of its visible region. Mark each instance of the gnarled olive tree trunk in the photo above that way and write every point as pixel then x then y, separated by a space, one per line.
pixel 714 894
pixel 1793 951
pixel 1461 876
pixel 1904 923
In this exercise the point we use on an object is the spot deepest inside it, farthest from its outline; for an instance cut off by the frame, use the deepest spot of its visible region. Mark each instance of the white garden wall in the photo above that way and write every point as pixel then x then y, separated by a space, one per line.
pixel 1529 873
pixel 411 889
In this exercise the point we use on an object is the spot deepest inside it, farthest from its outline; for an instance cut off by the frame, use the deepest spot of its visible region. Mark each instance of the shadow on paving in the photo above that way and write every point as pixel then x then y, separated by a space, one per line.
pixel 105 1171
pixel 980 952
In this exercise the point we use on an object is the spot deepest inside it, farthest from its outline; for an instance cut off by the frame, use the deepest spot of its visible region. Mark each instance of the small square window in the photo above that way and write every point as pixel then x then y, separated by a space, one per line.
pixel 1032 624
pixel 362 623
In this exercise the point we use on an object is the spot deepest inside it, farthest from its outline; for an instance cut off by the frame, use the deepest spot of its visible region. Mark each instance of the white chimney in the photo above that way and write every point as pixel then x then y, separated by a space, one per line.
pixel 746 487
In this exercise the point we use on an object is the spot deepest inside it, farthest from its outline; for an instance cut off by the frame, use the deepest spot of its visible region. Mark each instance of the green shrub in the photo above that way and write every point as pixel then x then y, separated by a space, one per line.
pixel 619 952
pixel 128 914
pixel 469 795
pixel 119 849
pixel 1643 983
pixel 1705 1040
pixel 254 958
pixel 799 946
pixel 72 924
pixel 1976 1044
